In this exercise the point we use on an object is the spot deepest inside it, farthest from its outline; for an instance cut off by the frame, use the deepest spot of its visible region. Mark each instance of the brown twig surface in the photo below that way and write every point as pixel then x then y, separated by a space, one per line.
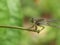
pixel 17 27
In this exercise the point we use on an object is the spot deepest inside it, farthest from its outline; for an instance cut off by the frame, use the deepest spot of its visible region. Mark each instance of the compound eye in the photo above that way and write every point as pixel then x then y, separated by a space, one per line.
pixel 32 20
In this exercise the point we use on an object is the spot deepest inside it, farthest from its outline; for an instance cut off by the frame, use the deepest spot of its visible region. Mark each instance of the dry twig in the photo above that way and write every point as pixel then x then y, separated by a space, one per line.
pixel 17 27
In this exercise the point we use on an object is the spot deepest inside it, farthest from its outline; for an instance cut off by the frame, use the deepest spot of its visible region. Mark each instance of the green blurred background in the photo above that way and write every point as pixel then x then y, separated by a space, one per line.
pixel 12 13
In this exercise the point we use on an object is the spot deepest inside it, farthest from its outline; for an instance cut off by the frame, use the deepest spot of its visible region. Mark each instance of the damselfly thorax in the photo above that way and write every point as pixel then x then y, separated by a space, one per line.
pixel 38 22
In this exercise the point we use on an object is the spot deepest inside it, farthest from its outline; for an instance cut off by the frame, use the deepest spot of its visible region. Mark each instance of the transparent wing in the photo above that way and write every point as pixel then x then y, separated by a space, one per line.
pixel 54 23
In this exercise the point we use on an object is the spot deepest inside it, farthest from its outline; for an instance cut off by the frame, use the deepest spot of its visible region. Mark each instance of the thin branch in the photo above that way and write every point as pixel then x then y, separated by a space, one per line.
pixel 17 27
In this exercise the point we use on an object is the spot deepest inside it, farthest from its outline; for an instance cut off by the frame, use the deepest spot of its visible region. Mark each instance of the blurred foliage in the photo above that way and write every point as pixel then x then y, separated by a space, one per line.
pixel 8 10
pixel 12 13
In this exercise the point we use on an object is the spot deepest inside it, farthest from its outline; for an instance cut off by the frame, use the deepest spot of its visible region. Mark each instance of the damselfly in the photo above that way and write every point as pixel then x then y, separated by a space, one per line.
pixel 45 20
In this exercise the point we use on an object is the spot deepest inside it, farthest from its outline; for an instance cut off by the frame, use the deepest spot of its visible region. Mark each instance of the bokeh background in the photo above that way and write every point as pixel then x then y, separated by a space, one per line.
pixel 13 12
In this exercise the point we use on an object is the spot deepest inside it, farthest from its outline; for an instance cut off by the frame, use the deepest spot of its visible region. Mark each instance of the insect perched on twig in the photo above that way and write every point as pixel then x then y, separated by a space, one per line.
pixel 45 20
pixel 38 22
